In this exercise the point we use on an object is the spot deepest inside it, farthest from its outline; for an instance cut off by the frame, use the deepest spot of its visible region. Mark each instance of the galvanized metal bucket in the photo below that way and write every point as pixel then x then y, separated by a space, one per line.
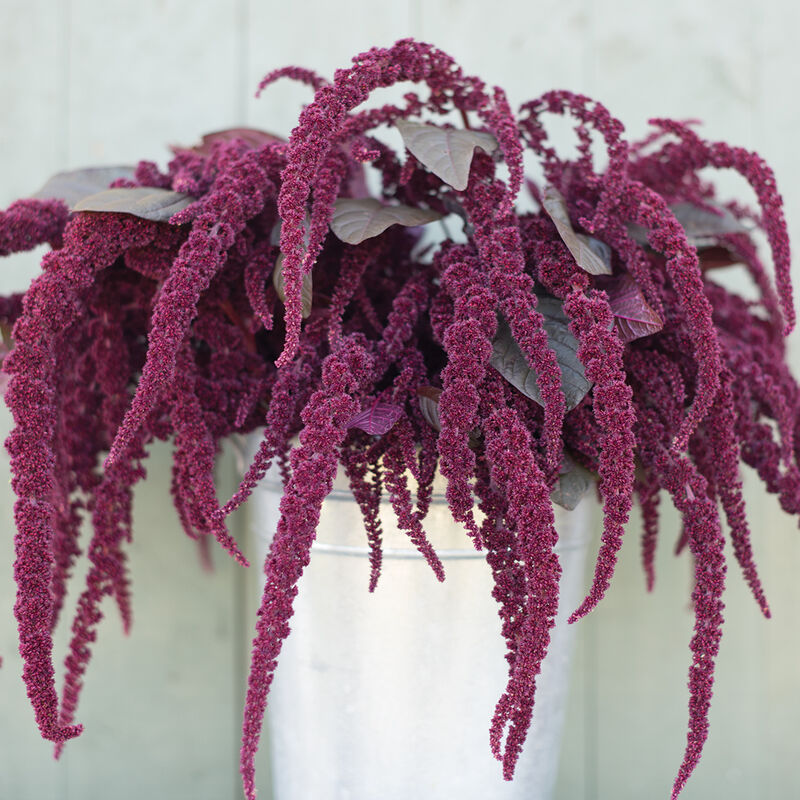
pixel 389 695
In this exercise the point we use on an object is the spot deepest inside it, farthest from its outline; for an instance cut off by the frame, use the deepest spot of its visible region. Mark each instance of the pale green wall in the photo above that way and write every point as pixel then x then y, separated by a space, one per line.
pixel 88 82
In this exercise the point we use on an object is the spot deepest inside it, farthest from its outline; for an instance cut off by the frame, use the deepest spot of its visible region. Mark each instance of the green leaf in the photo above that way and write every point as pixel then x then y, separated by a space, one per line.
pixel 355 220
pixel 77 184
pixel 446 152
pixel 508 359
pixel 590 254
pixel 145 202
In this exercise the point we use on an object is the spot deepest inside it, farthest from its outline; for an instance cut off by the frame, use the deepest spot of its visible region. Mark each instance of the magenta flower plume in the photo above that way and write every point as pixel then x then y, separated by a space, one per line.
pixel 693 154
pixel 28 223
pixel 601 352
pixel 47 311
pixel 237 197
pixel 509 351
pixel 515 472
pixel 313 470
pixel 320 125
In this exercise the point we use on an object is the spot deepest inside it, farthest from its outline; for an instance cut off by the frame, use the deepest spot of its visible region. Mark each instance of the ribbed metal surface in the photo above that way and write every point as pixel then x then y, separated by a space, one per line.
pixel 378 696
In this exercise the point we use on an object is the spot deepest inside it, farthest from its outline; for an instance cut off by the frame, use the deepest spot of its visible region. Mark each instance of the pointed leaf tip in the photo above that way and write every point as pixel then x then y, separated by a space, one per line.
pixel 77 184
pixel 446 152
pixel 428 397
pixel 509 360
pixel 573 482
pixel 145 202
pixel 355 220
pixel 590 254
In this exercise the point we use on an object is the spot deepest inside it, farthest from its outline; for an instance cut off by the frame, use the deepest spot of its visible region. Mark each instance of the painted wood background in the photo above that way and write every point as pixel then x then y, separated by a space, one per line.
pixel 87 82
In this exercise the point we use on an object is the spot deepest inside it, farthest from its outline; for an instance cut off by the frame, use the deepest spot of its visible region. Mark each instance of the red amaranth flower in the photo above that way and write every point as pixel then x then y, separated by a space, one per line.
pixel 139 330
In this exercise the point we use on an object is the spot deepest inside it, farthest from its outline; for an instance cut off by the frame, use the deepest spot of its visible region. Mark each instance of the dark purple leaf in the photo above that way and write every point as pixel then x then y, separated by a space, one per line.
pixel 74 186
pixel 716 256
pixel 509 361
pixel 572 484
pixel 633 315
pixel 252 137
pixel 429 405
pixel 704 227
pixel 446 152
pixel 377 418
pixel 146 202
pixel 357 219
pixel 590 254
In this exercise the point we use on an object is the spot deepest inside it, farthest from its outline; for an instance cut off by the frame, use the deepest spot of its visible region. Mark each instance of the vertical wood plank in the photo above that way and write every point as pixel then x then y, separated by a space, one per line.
pixel 683 60
pixel 776 122
pixel 34 99
pixel 33 47
pixel 144 76
pixel 157 706
pixel 695 60
pixel 149 74
pixel 527 48
pixel 317 38
pixel 113 83
pixel 777 114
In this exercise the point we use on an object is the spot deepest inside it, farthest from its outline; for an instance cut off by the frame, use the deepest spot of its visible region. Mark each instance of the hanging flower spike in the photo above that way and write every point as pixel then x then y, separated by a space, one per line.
pixel 646 208
pixel 467 342
pixel 238 195
pixel 701 527
pixel 195 457
pixel 48 309
pixel 367 494
pixel 290 393
pixel 760 176
pixel 501 248
pixel 501 121
pixel 320 126
pixel 306 76
pixel 648 495
pixel 724 470
pixel 706 543
pixel 515 472
pixel 601 352
pixel 502 557
pixel 261 300
pixel 111 521
pixel 28 223
pixel 587 112
pixel 396 484
pixel 657 378
pixel 314 465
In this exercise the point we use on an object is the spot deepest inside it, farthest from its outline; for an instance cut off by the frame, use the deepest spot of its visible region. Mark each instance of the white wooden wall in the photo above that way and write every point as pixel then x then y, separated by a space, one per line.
pixel 88 82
